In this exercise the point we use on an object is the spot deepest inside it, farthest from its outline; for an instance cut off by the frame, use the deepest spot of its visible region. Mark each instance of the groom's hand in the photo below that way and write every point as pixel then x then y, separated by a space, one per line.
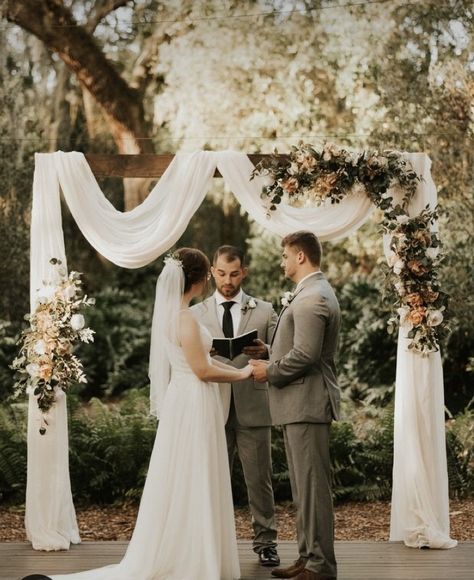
pixel 259 370
pixel 259 350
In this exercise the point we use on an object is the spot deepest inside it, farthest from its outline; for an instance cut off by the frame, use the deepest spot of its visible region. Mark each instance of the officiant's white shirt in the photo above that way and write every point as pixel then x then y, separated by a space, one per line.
pixel 235 311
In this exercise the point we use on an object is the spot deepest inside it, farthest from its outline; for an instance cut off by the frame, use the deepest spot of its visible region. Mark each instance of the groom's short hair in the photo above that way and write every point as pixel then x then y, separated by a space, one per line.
pixel 230 253
pixel 307 243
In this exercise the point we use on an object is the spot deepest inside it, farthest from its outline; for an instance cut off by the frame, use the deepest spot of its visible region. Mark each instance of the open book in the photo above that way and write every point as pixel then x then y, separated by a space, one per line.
pixel 231 347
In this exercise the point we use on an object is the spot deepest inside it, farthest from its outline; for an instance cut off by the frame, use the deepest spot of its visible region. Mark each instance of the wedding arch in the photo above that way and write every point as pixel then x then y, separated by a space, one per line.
pixel 420 505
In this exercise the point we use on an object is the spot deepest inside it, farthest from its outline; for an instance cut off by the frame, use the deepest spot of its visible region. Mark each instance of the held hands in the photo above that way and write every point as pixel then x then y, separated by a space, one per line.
pixel 257 351
pixel 246 372
pixel 259 370
pixel 255 368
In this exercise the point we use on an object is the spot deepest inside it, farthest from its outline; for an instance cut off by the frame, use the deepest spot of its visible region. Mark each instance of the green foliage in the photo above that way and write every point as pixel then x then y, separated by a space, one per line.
pixel 266 279
pixel 8 351
pixel 110 448
pixel 118 358
pixel 13 452
pixel 460 453
pixel 367 352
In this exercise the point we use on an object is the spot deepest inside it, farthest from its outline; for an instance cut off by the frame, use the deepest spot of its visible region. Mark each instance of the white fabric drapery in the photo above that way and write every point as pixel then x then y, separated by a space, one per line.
pixel 135 238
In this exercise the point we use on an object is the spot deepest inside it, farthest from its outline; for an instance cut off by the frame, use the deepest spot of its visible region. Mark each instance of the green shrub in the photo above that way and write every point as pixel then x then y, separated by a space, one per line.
pixel 13 452
pixel 117 360
pixel 460 451
pixel 366 360
pixel 8 350
pixel 110 448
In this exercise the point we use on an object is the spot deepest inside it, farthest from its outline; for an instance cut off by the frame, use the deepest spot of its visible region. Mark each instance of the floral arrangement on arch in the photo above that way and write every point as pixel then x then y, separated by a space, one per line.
pixel 309 176
pixel 46 361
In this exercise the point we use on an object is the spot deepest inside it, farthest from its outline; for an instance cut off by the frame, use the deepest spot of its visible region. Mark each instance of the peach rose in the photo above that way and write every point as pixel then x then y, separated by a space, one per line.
pixel 414 299
pixel 416 316
pixel 290 185
pixel 45 371
pixel 308 163
pixel 43 321
pixel 417 268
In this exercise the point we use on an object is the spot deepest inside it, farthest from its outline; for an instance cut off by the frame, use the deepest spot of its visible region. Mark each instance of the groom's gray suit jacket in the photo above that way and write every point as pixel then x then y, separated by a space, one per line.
pixel 302 371
pixel 250 398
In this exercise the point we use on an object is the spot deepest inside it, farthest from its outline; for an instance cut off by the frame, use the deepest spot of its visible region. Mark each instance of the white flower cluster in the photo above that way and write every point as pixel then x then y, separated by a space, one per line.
pixel 249 305
pixel 46 364
pixel 287 298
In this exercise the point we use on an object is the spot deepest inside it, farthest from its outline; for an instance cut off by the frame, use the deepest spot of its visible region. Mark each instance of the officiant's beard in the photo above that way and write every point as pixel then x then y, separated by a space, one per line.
pixel 228 290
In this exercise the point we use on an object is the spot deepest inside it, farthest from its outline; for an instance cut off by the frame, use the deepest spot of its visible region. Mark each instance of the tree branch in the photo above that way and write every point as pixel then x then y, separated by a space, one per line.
pixel 54 24
pixel 101 9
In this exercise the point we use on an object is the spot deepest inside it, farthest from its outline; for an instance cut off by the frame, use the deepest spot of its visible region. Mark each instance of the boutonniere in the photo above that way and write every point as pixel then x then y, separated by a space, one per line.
pixel 250 304
pixel 287 298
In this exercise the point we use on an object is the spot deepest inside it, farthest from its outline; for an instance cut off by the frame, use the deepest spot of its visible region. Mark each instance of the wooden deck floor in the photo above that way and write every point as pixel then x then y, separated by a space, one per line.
pixel 356 560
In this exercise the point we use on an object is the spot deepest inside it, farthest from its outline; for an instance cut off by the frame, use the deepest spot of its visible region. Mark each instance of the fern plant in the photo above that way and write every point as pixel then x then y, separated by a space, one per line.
pixel 13 452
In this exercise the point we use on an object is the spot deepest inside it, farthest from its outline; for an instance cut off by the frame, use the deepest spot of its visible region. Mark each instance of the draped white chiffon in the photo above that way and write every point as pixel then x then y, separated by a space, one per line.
pixel 420 506
pixel 185 527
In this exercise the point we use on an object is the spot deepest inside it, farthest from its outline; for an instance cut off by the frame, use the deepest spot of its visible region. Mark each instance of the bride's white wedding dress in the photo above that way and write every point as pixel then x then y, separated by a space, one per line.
pixel 185 528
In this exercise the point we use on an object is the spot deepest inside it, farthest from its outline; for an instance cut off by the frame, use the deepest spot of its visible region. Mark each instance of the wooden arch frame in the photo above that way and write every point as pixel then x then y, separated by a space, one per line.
pixel 147 166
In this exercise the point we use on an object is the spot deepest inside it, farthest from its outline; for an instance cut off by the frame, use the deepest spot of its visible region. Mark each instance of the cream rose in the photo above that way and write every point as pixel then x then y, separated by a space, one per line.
pixel 402 219
pixel 32 369
pixel 432 253
pixel 69 292
pixel 40 347
pixel 398 267
pixel 77 321
pixel 434 317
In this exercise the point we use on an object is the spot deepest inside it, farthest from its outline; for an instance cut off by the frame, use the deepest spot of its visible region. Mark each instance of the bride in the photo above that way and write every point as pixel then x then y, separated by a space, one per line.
pixel 185 527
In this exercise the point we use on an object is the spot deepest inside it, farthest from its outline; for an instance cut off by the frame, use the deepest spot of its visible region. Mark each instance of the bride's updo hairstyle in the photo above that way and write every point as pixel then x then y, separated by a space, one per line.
pixel 196 266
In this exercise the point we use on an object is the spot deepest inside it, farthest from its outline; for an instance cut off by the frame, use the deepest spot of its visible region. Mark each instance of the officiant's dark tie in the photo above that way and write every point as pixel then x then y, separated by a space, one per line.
pixel 227 324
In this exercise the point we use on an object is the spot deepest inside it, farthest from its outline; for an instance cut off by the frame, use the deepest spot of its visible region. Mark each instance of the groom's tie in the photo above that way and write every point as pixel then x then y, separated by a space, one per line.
pixel 227 325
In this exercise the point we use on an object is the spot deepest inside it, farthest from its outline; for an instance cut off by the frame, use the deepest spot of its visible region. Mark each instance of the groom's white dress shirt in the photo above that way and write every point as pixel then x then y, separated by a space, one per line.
pixel 306 277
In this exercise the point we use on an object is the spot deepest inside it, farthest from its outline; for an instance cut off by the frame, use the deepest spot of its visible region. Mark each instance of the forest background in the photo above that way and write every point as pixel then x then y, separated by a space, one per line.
pixel 109 76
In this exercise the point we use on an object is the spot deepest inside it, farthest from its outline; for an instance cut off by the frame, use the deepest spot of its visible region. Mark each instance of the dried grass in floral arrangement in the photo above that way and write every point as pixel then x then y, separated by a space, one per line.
pixel 46 361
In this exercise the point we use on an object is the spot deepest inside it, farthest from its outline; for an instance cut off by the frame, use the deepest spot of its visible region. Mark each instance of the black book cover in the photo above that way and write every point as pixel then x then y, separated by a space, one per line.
pixel 232 347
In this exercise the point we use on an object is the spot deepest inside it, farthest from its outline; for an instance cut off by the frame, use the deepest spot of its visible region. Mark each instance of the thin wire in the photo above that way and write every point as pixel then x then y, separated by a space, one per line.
pixel 236 138
pixel 247 15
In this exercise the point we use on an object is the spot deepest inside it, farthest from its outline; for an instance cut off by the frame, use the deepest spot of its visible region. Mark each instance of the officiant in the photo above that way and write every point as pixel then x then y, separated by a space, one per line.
pixel 230 312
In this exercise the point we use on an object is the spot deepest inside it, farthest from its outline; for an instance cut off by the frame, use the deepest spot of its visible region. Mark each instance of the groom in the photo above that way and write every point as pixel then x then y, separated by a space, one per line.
pixel 304 399
pixel 230 312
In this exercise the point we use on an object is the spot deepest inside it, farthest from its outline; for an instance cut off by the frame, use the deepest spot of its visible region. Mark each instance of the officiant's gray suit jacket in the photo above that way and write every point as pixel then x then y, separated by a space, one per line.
pixel 302 371
pixel 250 398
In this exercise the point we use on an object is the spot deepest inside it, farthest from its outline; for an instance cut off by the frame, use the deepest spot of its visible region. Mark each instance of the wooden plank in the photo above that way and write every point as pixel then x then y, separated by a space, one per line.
pixel 151 166
pixel 356 560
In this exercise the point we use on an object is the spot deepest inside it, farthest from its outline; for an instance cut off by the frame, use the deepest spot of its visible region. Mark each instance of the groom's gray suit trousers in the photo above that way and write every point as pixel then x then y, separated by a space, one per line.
pixel 307 451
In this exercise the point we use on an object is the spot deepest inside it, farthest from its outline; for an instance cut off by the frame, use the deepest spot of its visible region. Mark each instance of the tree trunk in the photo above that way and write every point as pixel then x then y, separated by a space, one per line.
pixel 122 105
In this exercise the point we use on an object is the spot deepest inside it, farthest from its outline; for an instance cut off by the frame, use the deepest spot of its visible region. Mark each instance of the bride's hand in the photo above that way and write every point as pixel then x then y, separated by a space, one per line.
pixel 246 372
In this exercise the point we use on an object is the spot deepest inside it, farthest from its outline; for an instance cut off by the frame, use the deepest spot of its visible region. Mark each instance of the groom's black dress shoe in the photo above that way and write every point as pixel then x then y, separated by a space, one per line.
pixel 36 577
pixel 269 557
